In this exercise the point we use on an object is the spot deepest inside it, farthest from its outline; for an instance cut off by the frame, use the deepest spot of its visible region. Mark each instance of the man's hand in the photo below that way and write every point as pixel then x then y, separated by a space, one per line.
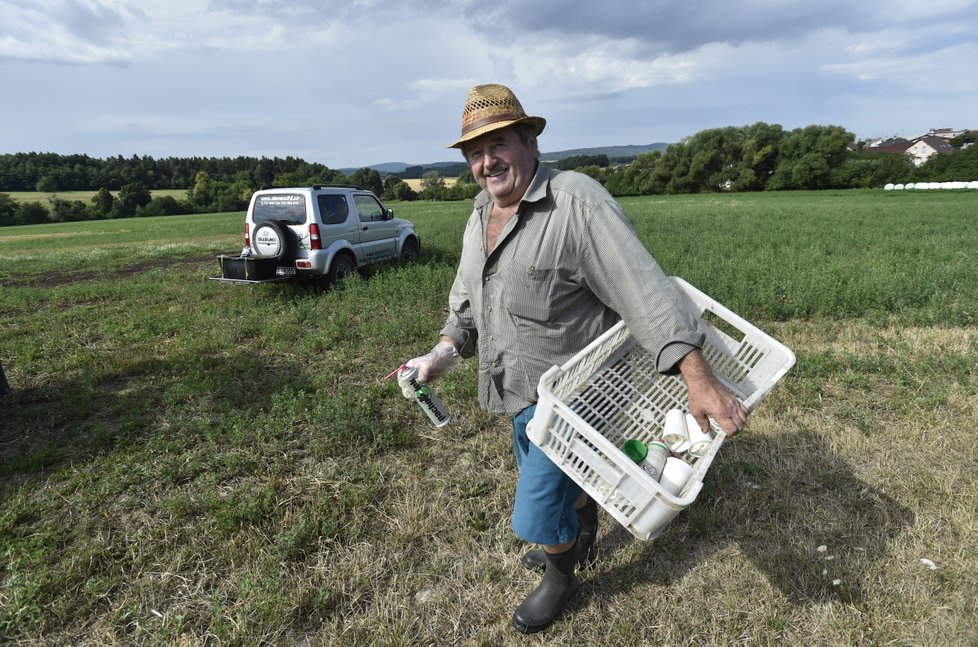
pixel 708 398
pixel 439 360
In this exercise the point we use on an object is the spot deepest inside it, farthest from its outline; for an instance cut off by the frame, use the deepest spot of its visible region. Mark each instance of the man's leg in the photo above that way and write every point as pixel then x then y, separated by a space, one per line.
pixel 544 513
pixel 587 522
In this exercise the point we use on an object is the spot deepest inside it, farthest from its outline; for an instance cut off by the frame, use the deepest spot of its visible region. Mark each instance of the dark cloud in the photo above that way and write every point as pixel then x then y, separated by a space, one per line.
pixel 94 22
pixel 676 26
pixel 316 11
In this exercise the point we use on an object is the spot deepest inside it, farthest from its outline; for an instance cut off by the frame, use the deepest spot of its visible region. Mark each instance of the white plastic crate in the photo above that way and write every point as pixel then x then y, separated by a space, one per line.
pixel 610 392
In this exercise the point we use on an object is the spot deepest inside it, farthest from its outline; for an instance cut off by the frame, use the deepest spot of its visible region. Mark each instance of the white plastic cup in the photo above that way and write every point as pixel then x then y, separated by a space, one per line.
pixel 699 440
pixel 675 475
pixel 674 431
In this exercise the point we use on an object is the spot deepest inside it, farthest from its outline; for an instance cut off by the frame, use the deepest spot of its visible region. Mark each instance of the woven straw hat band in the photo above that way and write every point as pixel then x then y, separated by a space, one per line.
pixel 490 107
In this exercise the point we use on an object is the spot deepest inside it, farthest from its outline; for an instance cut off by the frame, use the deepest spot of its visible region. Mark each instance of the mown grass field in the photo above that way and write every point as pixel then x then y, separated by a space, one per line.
pixel 415 183
pixel 84 196
pixel 184 462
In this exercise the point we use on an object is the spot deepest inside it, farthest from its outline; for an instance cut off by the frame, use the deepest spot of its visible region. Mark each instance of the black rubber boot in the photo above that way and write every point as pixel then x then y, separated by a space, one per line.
pixel 558 586
pixel 587 520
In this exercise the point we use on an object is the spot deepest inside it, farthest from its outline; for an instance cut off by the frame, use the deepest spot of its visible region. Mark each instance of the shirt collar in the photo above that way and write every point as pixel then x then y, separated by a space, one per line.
pixel 538 185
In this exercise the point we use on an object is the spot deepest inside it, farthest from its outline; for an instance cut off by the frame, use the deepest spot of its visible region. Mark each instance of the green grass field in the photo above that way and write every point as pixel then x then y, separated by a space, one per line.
pixel 186 462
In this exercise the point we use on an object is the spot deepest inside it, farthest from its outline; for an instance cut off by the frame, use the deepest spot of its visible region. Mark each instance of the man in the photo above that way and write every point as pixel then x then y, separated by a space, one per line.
pixel 549 262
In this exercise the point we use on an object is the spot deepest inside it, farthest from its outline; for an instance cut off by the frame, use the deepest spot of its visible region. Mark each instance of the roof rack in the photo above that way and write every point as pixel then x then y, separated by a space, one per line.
pixel 316 186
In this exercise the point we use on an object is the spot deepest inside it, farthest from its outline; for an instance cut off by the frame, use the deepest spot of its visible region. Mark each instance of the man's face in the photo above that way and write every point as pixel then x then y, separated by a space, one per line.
pixel 502 164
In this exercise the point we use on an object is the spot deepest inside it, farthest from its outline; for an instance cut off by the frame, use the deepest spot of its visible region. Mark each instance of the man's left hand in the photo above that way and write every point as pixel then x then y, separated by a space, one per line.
pixel 710 399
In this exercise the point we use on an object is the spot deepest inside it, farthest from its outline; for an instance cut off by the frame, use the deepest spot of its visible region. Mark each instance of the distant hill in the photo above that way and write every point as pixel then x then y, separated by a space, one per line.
pixel 383 169
pixel 612 152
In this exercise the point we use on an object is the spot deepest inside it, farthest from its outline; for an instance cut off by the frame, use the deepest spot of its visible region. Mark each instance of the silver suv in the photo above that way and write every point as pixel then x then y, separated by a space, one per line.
pixel 320 231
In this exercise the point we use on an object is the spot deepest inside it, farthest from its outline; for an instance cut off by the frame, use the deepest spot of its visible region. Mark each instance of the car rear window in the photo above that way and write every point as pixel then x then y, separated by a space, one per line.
pixel 286 207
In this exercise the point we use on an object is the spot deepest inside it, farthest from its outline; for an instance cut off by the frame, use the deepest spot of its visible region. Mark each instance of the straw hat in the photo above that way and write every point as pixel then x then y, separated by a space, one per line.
pixel 491 107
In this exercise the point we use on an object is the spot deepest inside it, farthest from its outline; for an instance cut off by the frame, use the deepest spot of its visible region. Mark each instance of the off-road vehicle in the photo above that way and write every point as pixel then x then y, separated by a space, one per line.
pixel 321 231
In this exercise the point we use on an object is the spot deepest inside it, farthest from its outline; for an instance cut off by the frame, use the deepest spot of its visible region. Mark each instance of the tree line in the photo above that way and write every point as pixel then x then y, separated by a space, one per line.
pixel 765 157
pixel 758 157
pixel 26 171
pixel 124 185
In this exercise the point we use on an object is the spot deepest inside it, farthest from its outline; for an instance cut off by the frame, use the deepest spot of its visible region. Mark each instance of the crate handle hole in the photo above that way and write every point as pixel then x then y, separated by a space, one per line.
pixel 724 326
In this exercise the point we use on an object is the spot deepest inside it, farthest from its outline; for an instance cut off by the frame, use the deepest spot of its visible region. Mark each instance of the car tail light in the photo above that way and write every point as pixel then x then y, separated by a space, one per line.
pixel 247 236
pixel 314 241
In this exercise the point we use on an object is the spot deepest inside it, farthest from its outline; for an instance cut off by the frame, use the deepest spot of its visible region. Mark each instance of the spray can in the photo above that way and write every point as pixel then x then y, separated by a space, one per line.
pixel 424 396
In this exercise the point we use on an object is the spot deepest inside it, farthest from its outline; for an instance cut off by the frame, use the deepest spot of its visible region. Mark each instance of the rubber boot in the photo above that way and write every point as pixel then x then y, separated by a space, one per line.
pixel 559 584
pixel 587 521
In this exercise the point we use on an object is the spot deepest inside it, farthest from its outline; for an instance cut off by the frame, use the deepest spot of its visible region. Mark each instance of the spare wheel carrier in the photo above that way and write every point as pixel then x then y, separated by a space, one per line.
pixel 273 239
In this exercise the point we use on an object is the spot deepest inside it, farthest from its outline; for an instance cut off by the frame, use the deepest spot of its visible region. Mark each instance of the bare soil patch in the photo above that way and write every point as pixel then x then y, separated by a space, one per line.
pixel 60 278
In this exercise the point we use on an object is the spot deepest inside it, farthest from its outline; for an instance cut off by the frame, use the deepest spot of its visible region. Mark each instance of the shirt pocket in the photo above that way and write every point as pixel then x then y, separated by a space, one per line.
pixel 529 292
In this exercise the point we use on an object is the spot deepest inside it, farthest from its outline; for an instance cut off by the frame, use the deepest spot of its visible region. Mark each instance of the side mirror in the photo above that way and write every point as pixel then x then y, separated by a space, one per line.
pixel 389 214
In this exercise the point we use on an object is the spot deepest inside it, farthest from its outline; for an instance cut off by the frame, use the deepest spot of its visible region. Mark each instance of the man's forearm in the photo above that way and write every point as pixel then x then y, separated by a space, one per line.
pixel 693 367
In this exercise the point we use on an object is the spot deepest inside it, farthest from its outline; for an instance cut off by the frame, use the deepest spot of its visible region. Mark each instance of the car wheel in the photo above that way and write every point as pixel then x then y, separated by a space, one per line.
pixel 273 239
pixel 410 251
pixel 341 268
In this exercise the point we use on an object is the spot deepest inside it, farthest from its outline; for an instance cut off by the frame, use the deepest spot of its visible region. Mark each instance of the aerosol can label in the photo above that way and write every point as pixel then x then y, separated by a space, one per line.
pixel 425 397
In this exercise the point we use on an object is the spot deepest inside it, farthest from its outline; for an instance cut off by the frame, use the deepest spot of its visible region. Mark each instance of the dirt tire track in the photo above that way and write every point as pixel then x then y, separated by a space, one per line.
pixel 57 279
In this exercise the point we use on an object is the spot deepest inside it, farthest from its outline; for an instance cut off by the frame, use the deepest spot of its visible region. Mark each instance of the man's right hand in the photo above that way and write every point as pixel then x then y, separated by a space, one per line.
pixel 439 360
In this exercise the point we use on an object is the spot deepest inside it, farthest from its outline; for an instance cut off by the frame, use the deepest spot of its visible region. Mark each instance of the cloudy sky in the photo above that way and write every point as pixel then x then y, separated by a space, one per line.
pixel 362 82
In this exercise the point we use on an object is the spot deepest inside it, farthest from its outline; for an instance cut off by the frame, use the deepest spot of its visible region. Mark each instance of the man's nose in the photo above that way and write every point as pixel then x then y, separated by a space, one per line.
pixel 488 156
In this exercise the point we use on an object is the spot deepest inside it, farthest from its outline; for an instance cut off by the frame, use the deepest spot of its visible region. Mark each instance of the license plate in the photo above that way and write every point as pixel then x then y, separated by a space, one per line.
pixel 285 271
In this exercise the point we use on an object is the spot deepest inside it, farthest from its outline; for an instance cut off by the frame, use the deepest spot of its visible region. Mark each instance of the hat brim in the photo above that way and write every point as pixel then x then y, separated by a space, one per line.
pixel 538 124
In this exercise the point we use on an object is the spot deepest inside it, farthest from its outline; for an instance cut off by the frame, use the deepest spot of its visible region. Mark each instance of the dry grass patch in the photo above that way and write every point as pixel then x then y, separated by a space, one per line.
pixel 813 528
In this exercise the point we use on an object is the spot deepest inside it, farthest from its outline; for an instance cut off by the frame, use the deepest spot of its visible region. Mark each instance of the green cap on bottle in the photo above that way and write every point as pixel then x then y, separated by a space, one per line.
pixel 635 449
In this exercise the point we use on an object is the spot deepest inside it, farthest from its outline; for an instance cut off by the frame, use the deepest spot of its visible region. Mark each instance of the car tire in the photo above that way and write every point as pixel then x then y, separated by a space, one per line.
pixel 341 267
pixel 410 250
pixel 273 239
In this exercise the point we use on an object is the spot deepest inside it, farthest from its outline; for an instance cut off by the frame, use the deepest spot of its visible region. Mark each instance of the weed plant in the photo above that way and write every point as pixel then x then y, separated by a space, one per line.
pixel 191 462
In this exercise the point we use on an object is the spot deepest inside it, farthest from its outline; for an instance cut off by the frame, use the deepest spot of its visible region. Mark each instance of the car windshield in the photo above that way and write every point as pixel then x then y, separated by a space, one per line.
pixel 285 207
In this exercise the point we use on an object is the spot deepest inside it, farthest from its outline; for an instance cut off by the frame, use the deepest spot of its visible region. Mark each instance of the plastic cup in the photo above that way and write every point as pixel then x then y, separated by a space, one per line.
pixel 674 431
pixel 675 475
pixel 699 440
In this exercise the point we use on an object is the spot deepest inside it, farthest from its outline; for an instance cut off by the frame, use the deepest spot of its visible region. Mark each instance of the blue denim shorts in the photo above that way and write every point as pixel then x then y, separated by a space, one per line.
pixel 543 512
